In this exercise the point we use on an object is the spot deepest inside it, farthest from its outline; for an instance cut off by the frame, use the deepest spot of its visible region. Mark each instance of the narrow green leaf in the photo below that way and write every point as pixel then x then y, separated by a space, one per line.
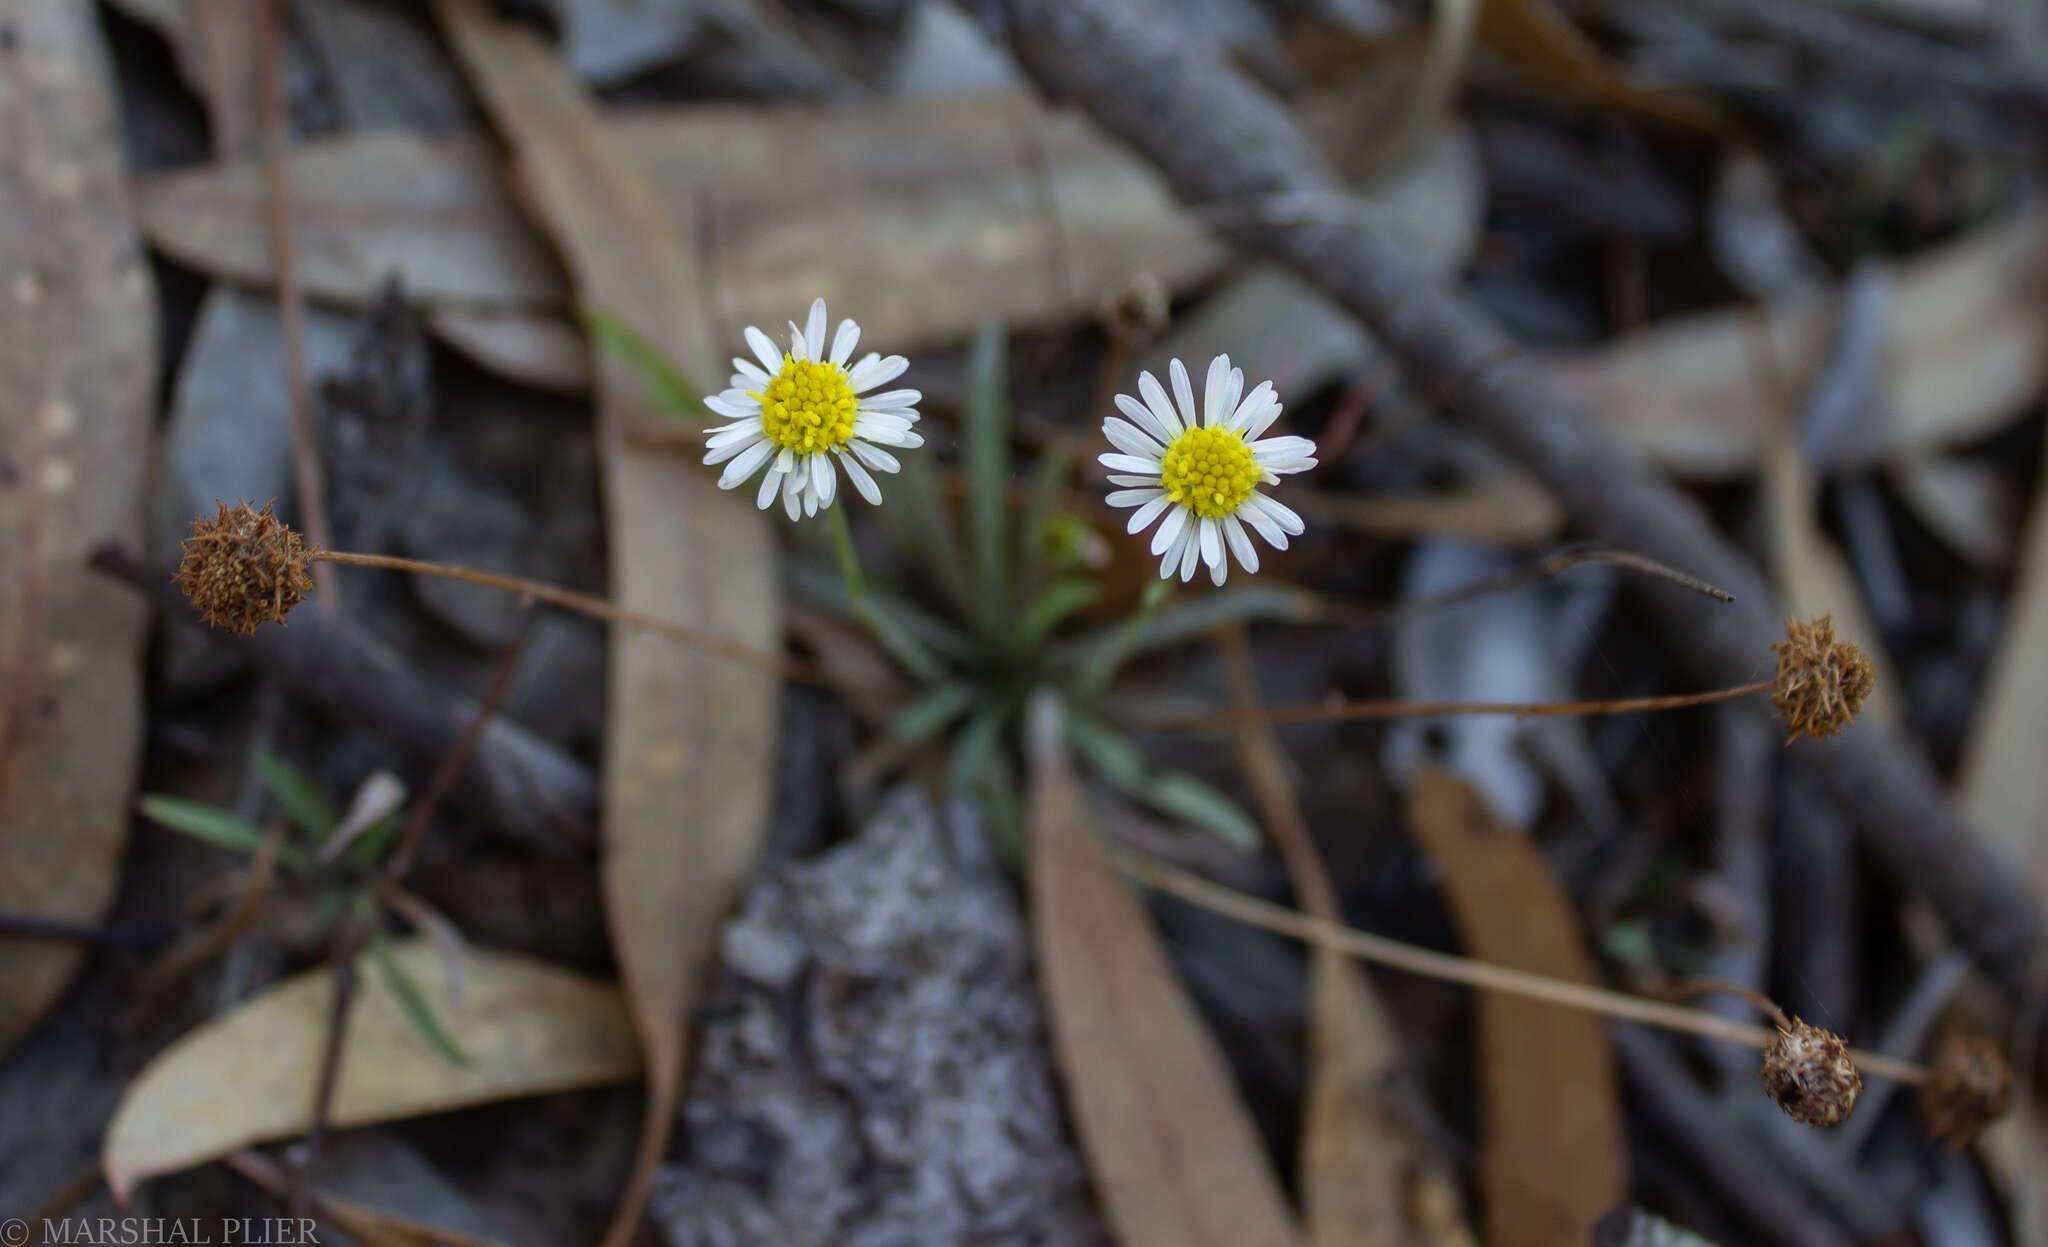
pixel 1049 608
pixel 933 709
pixel 297 794
pixel 215 826
pixel 975 747
pixel 369 848
pixel 414 1002
pixel 986 447
pixel 1186 797
pixel 1105 751
pixel 671 390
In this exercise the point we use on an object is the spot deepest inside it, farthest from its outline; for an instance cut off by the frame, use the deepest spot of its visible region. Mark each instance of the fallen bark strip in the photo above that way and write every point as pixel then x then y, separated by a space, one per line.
pixel 1220 140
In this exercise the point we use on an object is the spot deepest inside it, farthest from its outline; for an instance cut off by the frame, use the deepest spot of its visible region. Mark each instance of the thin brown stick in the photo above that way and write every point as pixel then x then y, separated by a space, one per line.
pixel 185 957
pixel 284 251
pixel 349 945
pixel 597 607
pixel 1224 719
pixel 1480 975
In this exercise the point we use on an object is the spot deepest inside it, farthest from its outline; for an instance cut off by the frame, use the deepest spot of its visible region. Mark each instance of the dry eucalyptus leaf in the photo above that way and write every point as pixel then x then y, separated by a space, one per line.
pixel 249 1076
pixel 1962 360
pixel 1545 48
pixel 1176 1159
pixel 78 347
pixel 690 740
pixel 1553 1150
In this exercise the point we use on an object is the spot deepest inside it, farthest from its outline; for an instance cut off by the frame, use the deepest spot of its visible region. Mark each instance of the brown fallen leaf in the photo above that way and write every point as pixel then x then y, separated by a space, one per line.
pixel 543 351
pixel 1357 1164
pixel 690 740
pixel 1554 55
pixel 248 1076
pixel 216 45
pixel 1553 1152
pixel 78 349
pixel 1962 359
pixel 2004 792
pixel 1175 1157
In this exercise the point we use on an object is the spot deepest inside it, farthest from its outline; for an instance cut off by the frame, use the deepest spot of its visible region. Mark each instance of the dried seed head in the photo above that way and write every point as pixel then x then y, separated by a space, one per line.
pixel 1821 681
pixel 1136 311
pixel 244 567
pixel 1970 1089
pixel 1808 1072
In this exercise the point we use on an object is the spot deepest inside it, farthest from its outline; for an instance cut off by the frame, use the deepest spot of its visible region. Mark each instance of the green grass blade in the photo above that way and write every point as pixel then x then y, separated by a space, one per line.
pixel 215 826
pixel 933 709
pixel 297 794
pixel 414 1003
pixel 986 447
pixel 671 390
pixel 1050 608
pixel 975 748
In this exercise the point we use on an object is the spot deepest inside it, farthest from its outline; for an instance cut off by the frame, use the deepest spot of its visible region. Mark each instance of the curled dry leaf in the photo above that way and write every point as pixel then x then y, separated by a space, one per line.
pixel 690 740
pixel 249 1076
pixel 77 361
pixel 1553 1150
pixel 1175 1157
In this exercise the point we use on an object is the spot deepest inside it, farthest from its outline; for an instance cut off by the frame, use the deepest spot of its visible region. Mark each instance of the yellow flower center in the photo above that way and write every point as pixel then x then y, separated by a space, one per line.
pixel 1210 471
pixel 808 407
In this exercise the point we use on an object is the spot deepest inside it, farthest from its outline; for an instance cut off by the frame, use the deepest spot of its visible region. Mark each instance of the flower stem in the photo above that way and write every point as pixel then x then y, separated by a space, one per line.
pixel 1220 720
pixel 597 607
pixel 1482 975
pixel 915 658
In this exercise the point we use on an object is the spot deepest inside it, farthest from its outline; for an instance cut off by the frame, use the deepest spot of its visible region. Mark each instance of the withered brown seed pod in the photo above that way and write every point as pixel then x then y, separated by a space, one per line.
pixel 1807 1071
pixel 1821 681
pixel 244 567
pixel 1971 1087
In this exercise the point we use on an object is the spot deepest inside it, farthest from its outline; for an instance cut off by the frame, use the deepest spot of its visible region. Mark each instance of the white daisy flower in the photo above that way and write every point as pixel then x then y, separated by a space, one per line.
pixel 1202 471
pixel 804 414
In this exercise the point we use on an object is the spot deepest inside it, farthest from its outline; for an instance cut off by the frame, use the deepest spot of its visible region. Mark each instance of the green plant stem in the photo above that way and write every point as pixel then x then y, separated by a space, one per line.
pixel 903 647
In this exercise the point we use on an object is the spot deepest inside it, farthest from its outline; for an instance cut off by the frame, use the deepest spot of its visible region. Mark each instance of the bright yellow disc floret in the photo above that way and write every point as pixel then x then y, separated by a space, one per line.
pixel 1210 471
pixel 808 407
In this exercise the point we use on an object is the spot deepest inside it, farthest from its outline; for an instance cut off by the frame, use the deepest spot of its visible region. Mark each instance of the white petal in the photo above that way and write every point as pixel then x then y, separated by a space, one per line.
pixel 1146 514
pixel 747 464
pixel 1212 543
pixel 1132 497
pixel 874 456
pixel 1129 463
pixel 1251 405
pixel 771 480
pixel 1142 416
pixel 1213 410
pixel 798 348
pixel 721 453
pixel 1288 521
pixel 785 463
pixel 1125 478
pixel 887 435
pixel 893 398
pixel 1155 398
pixel 1126 437
pixel 861 480
pixel 793 494
pixel 1231 393
pixel 765 350
pixel 744 431
pixel 875 370
pixel 1261 419
pixel 1176 523
pixel 814 331
pixel 894 421
pixel 1240 544
pixel 1190 557
pixel 1183 393
pixel 1218 572
pixel 746 372
pixel 733 409
pixel 1170 563
pixel 1282 448
pixel 1264 525
pixel 843 341
pixel 824 481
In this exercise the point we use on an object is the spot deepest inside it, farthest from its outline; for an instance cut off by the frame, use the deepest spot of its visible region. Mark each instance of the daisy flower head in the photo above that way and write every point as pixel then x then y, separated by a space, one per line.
pixel 804 414
pixel 1201 468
